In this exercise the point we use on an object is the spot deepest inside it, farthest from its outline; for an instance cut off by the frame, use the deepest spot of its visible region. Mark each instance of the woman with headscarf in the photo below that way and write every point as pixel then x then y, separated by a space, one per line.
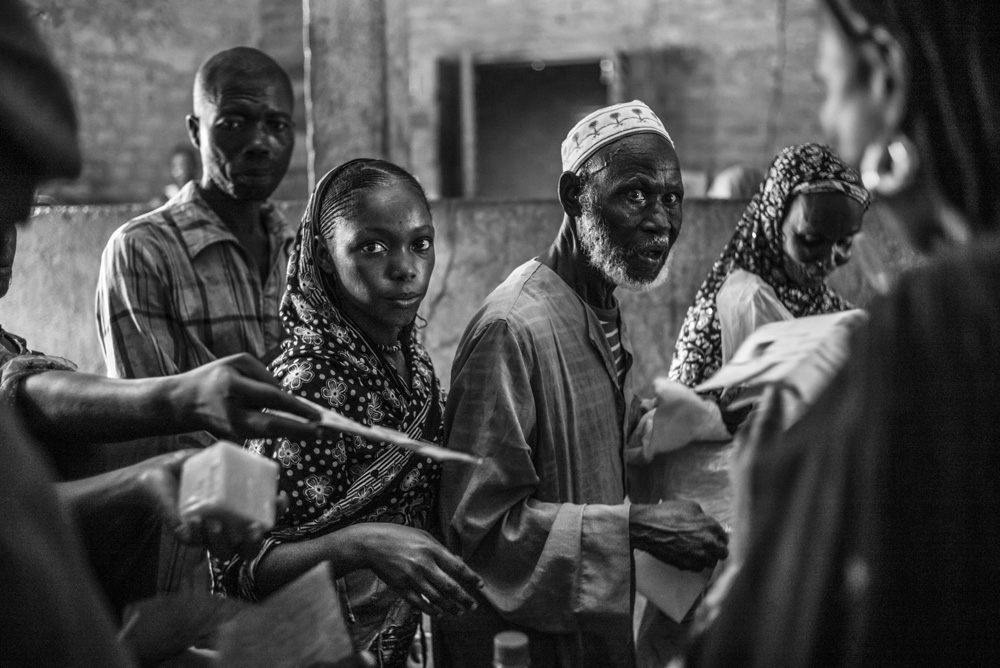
pixel 357 274
pixel 797 229
pixel 875 539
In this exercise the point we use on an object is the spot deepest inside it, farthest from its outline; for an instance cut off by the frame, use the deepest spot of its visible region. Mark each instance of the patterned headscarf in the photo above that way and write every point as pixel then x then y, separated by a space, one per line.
pixel 757 246
pixel 345 479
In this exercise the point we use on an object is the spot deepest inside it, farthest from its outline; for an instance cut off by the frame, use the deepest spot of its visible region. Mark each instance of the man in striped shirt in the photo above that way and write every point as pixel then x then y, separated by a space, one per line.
pixel 201 277
pixel 541 390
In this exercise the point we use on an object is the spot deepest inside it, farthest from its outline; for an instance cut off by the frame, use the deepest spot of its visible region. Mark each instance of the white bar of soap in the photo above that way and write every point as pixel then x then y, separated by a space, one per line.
pixel 224 482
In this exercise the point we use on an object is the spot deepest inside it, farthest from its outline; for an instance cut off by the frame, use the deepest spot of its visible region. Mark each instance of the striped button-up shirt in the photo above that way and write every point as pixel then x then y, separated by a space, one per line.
pixel 176 290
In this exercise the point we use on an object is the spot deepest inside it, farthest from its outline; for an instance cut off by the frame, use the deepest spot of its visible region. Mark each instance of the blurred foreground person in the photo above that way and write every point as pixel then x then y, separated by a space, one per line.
pixel 53 613
pixel 874 536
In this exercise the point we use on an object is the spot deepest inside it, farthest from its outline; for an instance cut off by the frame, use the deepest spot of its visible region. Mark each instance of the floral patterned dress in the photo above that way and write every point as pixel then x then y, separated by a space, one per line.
pixel 345 479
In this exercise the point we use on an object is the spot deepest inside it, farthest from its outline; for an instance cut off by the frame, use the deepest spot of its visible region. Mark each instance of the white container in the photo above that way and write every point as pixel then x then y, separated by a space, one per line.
pixel 226 483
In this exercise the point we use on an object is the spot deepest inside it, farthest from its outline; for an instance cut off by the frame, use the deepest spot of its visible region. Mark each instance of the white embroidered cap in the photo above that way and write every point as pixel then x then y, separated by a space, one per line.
pixel 607 125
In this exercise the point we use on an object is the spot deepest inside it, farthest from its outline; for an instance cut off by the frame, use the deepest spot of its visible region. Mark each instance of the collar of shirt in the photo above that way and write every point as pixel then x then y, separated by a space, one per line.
pixel 595 331
pixel 201 227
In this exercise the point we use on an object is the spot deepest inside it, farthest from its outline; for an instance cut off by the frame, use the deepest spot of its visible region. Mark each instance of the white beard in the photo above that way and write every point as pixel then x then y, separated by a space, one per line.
pixel 610 259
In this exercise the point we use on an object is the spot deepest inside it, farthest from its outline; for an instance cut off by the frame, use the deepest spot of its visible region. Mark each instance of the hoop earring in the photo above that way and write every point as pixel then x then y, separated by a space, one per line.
pixel 889 169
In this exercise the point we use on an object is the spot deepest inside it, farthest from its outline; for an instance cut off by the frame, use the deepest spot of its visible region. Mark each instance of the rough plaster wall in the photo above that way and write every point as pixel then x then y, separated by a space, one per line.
pixel 131 64
pixel 281 38
pixel 759 96
pixel 51 301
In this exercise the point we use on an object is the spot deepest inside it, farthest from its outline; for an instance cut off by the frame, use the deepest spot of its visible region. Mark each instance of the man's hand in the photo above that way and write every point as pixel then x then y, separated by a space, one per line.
pixel 150 485
pixel 154 485
pixel 158 481
pixel 678 533
pixel 227 397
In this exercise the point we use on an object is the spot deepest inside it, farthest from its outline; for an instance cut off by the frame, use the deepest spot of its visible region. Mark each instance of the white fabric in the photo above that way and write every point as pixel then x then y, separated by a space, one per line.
pixel 607 125
pixel 744 303
pixel 681 417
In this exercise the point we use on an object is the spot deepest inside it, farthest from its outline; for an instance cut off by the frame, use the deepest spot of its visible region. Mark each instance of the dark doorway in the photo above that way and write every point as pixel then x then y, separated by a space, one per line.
pixel 521 113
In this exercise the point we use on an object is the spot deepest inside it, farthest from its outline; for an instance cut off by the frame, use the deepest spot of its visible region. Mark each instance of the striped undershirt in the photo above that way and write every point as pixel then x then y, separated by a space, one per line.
pixel 609 322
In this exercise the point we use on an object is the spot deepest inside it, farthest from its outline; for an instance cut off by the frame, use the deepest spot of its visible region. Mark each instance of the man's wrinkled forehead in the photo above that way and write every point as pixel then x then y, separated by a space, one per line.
pixel 236 89
pixel 632 155
pixel 240 73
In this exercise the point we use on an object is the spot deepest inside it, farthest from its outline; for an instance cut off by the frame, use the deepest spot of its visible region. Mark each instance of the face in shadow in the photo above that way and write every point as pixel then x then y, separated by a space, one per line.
pixel 817 232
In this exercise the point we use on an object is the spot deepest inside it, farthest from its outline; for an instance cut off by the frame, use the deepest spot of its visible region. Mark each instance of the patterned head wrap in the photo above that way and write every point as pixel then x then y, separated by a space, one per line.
pixel 757 246
pixel 607 125
pixel 345 479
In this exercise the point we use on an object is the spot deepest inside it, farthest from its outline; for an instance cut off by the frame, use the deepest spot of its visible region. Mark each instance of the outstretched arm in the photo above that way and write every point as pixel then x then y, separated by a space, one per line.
pixel 409 560
pixel 153 485
pixel 225 397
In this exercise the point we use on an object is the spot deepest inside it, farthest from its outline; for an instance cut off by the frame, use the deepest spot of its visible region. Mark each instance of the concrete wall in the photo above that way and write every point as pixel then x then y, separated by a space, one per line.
pixel 51 300
pixel 735 81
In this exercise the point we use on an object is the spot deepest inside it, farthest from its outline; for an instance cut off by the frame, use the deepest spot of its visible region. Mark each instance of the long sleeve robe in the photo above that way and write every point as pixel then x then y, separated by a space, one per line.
pixel 542 520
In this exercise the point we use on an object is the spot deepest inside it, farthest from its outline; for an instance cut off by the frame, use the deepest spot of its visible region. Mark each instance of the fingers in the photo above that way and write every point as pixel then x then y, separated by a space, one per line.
pixel 222 539
pixel 439 594
pixel 248 366
pixel 159 478
pixel 254 394
pixel 449 585
pixel 466 580
pixel 714 545
pixel 423 603
pixel 426 574
pixel 257 424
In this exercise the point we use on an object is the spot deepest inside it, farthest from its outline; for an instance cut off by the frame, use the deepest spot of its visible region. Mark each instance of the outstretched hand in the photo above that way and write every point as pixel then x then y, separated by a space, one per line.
pixel 678 533
pixel 228 398
pixel 155 483
pixel 417 567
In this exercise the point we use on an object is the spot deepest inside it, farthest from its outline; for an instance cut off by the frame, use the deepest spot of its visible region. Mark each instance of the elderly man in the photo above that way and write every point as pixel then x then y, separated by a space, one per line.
pixel 202 277
pixel 541 389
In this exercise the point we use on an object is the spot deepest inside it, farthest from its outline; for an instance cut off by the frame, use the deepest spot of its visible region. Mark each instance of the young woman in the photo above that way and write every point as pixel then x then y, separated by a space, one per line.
pixel 357 275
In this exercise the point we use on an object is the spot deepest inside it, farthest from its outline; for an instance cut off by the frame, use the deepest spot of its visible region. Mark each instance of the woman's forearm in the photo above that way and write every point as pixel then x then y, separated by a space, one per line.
pixel 287 561
pixel 87 408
